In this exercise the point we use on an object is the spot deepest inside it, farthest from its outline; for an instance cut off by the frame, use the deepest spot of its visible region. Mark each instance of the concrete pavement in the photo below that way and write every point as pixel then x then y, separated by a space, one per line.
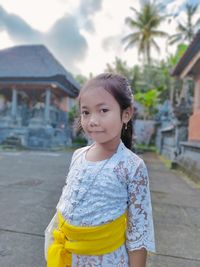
pixel 176 207
pixel 30 186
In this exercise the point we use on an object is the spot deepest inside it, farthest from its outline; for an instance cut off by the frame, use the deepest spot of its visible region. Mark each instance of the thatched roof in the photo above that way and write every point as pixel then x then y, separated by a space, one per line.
pixel 32 64
pixel 190 56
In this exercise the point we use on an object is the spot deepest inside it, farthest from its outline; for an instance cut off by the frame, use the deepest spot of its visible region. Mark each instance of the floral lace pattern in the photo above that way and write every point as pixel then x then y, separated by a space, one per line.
pixel 99 192
pixel 118 258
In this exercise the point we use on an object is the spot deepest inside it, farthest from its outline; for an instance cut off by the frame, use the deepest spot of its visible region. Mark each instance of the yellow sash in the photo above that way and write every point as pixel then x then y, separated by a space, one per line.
pixel 83 240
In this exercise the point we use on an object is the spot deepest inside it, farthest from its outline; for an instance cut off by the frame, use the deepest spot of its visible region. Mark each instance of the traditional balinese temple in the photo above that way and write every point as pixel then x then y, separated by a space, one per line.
pixel 188 67
pixel 36 94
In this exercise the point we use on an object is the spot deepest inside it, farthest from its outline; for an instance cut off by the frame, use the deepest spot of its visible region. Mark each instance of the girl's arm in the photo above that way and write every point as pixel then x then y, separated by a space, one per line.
pixel 140 231
pixel 137 258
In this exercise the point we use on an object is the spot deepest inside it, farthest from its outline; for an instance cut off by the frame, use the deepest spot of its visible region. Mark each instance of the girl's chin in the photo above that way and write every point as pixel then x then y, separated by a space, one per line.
pixel 97 140
pixel 96 136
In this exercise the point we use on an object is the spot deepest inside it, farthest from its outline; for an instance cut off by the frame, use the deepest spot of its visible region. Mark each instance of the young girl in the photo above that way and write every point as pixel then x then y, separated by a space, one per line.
pixel 104 213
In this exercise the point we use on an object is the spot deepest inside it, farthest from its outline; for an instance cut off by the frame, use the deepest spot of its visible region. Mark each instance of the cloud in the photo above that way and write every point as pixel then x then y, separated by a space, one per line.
pixel 112 42
pixel 67 42
pixel 63 39
pixel 86 12
pixel 17 28
pixel 88 7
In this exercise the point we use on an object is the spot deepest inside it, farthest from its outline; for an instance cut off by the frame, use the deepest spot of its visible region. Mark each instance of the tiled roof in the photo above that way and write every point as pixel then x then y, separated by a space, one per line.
pixel 33 61
pixel 189 54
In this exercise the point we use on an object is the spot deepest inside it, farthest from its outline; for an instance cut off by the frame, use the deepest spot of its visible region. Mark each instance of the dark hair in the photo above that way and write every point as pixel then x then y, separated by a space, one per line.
pixel 119 87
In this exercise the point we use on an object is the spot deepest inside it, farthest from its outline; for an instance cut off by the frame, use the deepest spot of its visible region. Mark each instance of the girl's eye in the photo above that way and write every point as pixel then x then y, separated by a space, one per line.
pixel 104 110
pixel 84 112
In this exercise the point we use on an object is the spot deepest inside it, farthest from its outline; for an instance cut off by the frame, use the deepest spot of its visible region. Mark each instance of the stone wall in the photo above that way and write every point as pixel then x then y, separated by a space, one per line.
pixel 189 159
pixel 144 131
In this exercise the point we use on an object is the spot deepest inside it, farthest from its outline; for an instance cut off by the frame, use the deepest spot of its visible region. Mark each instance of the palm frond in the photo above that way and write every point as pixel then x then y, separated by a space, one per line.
pixel 155 45
pixel 131 44
pixel 186 29
pixel 135 10
pixel 191 8
pixel 132 23
pixel 197 24
pixel 159 34
pixel 144 26
pixel 175 38
pixel 182 28
pixel 131 36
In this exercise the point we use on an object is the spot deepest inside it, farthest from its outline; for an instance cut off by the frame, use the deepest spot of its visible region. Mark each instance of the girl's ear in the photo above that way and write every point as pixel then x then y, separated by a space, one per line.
pixel 127 114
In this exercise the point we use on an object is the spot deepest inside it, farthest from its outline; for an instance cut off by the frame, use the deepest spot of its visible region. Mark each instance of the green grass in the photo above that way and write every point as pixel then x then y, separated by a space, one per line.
pixel 145 148
pixel 166 161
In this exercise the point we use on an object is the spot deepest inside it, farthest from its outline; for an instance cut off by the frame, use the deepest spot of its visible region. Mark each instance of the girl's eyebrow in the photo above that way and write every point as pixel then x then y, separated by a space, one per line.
pixel 102 104
pixel 98 105
pixel 84 107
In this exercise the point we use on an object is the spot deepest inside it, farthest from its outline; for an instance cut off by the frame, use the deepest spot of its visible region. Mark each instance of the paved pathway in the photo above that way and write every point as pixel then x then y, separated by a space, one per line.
pixel 176 206
pixel 31 183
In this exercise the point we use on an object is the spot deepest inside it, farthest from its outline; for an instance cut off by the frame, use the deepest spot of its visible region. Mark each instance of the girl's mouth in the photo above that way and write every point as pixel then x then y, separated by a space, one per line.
pixel 95 132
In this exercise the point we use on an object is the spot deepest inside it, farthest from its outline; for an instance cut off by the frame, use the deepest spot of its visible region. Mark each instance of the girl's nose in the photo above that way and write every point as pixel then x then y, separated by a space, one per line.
pixel 93 121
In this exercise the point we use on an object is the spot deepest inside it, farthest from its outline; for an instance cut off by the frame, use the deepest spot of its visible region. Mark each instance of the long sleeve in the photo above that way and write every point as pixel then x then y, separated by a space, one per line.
pixel 140 230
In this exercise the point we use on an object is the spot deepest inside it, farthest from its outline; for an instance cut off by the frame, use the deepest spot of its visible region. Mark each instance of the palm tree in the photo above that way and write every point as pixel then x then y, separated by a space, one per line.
pixel 144 26
pixel 186 30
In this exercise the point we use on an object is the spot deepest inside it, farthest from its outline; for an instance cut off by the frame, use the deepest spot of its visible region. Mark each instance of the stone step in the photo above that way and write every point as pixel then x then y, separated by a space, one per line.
pixel 11 142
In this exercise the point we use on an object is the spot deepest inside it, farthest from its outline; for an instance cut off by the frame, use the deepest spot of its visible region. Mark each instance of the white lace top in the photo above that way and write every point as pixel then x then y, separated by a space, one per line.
pixel 98 192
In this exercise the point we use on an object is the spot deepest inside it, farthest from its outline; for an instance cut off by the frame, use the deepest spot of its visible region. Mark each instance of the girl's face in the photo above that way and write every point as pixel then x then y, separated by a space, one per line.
pixel 101 117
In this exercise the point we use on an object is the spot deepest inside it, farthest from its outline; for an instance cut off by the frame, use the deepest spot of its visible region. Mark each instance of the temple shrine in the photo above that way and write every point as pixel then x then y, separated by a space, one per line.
pixel 36 94
pixel 187 68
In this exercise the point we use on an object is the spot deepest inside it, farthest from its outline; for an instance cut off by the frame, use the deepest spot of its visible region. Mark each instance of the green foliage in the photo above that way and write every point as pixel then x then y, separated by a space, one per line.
pixel 73 114
pixel 152 82
pixel 145 148
pixel 149 100
pixel 118 66
pixel 81 79
pixel 173 59
pixel 181 50
pixel 79 141
pixel 131 73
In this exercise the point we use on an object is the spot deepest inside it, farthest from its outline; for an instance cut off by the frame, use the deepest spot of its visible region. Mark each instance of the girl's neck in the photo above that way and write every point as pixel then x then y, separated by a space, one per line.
pixel 107 147
pixel 102 151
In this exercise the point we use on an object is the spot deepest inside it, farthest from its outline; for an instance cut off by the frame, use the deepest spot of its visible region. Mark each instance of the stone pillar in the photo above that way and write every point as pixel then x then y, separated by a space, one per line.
pixel 47 106
pixel 194 122
pixel 14 104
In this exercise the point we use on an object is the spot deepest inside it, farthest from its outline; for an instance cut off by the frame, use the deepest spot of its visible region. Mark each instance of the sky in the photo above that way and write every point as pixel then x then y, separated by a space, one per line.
pixel 84 35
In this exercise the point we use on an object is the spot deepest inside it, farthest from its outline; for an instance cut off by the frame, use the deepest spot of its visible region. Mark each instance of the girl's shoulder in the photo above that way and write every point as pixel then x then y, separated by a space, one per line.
pixel 132 160
pixel 77 154
pixel 79 151
pixel 131 156
pixel 135 167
